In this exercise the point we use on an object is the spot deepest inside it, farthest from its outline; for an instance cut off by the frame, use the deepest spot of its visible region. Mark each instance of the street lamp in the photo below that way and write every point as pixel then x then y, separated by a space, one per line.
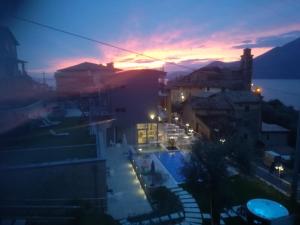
pixel 152 116
pixel 222 140
pixel 279 168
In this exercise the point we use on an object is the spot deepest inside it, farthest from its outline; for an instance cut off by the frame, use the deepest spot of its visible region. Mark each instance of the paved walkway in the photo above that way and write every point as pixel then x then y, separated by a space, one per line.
pixel 127 197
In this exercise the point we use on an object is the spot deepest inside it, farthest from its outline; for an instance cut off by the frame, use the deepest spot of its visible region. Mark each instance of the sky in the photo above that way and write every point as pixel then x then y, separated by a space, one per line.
pixel 187 32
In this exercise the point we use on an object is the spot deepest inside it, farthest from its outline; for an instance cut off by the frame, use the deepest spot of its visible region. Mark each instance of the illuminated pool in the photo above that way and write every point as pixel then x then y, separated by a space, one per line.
pixel 173 162
pixel 266 209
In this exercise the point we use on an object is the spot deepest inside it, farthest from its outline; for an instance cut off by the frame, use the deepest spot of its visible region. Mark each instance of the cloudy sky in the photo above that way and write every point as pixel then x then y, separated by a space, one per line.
pixel 187 32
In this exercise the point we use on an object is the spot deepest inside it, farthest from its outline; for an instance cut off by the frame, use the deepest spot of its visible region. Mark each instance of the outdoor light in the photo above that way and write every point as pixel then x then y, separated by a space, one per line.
pixel 222 140
pixel 187 124
pixel 159 118
pixel 140 149
pixel 258 90
pixel 191 130
pixel 152 116
pixel 182 97
pixel 279 168
pixel 176 118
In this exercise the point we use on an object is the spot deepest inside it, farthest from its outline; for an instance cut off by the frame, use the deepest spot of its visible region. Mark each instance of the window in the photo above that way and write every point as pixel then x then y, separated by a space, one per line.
pixel 146 132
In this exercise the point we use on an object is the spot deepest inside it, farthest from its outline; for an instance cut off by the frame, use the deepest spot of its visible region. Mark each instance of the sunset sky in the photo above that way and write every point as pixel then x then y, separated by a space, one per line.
pixel 187 32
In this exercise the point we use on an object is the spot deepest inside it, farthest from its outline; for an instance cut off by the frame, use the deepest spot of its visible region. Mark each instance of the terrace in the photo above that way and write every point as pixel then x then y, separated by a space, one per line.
pixel 41 145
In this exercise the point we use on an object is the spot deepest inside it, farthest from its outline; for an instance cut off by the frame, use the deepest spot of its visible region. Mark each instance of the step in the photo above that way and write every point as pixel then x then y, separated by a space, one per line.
pixel 194 210
pixel 193 215
pixel 193 220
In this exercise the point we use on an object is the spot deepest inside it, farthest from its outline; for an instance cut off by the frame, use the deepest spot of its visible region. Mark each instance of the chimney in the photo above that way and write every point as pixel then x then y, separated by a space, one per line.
pixel 110 66
pixel 246 68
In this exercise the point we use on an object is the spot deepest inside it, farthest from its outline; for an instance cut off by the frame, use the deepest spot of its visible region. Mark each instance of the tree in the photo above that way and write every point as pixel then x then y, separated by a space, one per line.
pixel 209 163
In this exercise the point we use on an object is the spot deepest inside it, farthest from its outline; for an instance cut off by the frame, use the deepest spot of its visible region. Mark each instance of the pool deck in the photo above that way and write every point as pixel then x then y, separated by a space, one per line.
pixel 127 197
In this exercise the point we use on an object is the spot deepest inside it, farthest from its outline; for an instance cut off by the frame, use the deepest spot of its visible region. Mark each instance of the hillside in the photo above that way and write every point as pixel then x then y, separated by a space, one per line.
pixel 278 63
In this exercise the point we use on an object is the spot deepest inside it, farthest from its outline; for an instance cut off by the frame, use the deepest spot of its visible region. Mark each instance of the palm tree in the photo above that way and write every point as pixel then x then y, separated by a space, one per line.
pixel 209 163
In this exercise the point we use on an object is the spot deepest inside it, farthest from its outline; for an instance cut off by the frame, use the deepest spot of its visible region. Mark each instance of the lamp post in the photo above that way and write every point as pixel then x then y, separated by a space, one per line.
pixel 152 117
pixel 280 169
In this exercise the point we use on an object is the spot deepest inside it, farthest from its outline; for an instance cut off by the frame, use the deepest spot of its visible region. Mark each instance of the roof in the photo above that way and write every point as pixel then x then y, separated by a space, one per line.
pixel 240 96
pixel 6 33
pixel 124 77
pixel 211 103
pixel 213 77
pixel 85 66
pixel 269 127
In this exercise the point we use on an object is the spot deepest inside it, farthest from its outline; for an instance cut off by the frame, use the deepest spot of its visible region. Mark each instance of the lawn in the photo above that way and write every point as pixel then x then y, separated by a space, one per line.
pixel 39 145
pixel 41 137
pixel 18 157
pixel 239 190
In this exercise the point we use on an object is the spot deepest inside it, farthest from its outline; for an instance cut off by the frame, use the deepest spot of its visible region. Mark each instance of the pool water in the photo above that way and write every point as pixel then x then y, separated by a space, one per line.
pixel 266 209
pixel 173 162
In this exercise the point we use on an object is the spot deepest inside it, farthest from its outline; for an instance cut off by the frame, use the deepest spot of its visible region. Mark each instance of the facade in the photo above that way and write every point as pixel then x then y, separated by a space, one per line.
pixel 82 79
pixel 218 114
pixel 212 80
pixel 20 96
pixel 274 135
pixel 134 95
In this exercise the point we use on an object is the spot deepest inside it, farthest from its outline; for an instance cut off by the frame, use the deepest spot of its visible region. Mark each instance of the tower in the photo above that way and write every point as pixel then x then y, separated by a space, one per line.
pixel 246 68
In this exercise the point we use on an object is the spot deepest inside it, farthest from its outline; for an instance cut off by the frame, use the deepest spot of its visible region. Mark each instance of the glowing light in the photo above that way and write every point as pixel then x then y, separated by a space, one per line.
pixel 159 118
pixel 257 90
pixel 140 149
pixel 152 116
pixel 187 124
pixel 222 140
pixel 176 118
pixel 191 130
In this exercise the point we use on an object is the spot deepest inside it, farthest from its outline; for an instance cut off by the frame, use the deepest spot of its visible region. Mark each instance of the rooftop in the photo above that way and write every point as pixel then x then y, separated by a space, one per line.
pixel 87 66
pixel 213 77
pixel 240 96
pixel 269 127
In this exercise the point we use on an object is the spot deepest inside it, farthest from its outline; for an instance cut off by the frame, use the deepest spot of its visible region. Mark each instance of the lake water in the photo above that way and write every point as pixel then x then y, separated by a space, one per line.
pixel 287 91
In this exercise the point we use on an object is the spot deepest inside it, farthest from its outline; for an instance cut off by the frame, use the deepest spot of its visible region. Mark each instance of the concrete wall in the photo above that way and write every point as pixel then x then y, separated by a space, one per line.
pixel 248 116
pixel 57 183
pixel 134 97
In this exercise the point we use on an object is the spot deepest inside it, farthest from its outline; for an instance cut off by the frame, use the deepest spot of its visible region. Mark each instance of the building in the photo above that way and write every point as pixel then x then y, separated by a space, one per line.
pixel 219 114
pixel 20 96
pixel 10 65
pixel 135 95
pixel 210 79
pixel 82 79
pixel 274 135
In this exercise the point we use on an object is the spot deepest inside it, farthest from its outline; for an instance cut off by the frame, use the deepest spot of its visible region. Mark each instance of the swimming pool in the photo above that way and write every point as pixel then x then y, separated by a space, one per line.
pixel 266 209
pixel 173 162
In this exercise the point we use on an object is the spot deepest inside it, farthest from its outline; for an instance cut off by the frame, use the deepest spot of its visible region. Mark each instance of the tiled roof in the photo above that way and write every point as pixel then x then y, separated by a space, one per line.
pixel 84 67
pixel 268 127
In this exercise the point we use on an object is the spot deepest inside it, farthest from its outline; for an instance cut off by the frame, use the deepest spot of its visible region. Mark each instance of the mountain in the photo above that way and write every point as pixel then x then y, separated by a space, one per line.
pixel 220 64
pixel 280 62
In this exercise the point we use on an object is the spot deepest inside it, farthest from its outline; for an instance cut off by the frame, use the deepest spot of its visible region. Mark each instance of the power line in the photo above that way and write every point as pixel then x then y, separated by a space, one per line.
pixel 99 42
